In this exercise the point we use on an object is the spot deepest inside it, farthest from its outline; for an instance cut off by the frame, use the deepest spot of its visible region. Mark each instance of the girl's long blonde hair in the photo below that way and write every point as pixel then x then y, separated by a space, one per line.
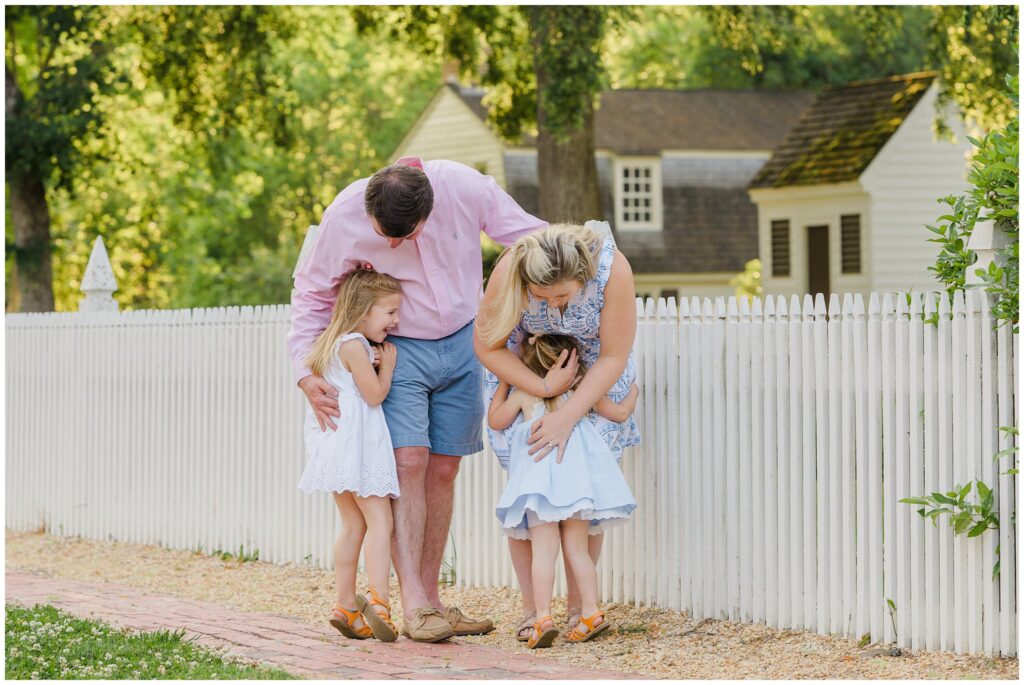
pixel 560 252
pixel 540 352
pixel 356 294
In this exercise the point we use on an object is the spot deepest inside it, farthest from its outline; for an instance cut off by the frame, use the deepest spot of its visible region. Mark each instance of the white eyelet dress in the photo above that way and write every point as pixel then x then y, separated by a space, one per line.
pixel 357 457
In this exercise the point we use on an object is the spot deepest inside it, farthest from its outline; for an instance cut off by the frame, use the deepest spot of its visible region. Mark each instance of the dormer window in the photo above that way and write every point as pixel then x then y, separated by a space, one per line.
pixel 638 193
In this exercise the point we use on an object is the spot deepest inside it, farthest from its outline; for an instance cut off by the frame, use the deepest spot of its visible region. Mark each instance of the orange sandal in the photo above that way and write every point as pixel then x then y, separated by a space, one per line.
pixel 344 621
pixel 380 623
pixel 545 638
pixel 576 635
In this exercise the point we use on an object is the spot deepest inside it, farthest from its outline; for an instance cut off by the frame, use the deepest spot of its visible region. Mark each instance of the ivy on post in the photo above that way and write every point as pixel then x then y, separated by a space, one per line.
pixel 99 283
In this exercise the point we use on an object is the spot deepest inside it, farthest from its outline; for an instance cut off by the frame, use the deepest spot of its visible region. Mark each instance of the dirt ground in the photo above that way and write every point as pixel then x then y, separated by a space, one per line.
pixel 652 642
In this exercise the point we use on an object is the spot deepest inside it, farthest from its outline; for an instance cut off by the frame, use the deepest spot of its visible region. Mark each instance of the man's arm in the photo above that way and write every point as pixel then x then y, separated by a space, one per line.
pixel 503 219
pixel 316 285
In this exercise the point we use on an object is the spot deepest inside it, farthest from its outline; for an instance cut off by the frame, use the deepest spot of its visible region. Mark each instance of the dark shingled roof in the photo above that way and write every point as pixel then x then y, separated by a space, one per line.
pixel 645 122
pixel 838 136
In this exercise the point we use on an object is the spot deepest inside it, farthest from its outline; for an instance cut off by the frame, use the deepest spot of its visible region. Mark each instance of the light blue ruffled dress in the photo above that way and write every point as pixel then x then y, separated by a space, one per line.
pixel 587 484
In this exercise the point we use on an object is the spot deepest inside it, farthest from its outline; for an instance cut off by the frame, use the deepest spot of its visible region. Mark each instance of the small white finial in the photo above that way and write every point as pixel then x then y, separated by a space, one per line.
pixel 99 283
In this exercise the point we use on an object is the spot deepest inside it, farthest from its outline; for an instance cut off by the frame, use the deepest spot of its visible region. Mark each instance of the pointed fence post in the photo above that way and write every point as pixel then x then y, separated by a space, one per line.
pixel 987 238
pixel 99 283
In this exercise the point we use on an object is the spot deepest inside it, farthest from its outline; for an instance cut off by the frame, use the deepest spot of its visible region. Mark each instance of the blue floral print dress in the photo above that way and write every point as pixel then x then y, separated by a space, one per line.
pixel 582 319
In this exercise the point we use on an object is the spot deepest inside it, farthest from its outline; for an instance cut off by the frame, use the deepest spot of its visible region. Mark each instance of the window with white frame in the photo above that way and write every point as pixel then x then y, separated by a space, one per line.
pixel 638 194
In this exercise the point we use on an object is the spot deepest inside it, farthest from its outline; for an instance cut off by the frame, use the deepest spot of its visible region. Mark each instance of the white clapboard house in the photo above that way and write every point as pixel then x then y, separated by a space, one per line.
pixel 844 201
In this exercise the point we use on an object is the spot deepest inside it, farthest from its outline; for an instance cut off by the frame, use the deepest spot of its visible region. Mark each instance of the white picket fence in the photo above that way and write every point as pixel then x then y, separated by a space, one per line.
pixel 778 438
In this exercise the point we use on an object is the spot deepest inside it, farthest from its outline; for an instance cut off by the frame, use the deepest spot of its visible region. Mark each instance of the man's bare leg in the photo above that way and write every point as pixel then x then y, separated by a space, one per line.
pixel 409 511
pixel 440 492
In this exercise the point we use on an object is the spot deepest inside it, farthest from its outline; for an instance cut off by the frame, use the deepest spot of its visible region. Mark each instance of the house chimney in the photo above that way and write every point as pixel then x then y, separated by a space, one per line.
pixel 450 71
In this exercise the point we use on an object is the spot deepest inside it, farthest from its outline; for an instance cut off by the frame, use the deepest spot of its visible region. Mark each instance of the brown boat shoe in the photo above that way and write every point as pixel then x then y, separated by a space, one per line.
pixel 427 625
pixel 462 625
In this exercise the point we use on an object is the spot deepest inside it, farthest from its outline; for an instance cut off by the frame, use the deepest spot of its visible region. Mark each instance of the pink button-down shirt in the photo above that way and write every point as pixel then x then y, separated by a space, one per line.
pixel 441 271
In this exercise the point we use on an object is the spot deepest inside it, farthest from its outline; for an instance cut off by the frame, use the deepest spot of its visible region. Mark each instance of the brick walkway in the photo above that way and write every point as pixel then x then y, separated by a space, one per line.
pixel 288 643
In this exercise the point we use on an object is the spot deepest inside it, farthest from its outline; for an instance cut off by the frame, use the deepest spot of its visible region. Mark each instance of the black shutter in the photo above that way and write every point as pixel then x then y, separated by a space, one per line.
pixel 850 243
pixel 780 247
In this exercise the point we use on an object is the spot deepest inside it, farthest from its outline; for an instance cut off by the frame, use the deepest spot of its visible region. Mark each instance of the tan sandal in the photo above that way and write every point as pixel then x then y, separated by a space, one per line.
pixel 380 623
pixel 576 635
pixel 344 620
pixel 571 623
pixel 539 638
pixel 525 625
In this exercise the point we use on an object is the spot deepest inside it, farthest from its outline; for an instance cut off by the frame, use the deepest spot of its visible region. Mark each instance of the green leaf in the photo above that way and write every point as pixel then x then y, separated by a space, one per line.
pixel 945 499
pixel 914 500
pixel 978 529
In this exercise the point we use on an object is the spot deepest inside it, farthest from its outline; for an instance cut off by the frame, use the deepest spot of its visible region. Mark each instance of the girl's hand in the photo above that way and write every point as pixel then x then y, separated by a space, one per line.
pixel 550 431
pixel 629 403
pixel 560 378
pixel 376 355
pixel 388 356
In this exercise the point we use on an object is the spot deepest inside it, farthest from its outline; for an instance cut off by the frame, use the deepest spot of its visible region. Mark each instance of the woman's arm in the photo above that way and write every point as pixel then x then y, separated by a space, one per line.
pixel 508 367
pixel 617 330
pixel 618 411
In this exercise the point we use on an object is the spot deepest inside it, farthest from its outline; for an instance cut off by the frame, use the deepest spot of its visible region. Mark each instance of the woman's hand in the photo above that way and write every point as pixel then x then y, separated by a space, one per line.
pixel 550 431
pixel 560 378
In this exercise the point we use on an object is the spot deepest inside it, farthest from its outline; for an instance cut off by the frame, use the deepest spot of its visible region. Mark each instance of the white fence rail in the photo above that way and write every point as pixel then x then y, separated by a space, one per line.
pixel 778 439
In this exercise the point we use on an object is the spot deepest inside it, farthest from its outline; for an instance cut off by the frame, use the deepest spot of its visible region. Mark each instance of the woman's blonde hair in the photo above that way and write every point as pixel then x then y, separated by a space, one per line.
pixel 356 294
pixel 561 252
pixel 540 352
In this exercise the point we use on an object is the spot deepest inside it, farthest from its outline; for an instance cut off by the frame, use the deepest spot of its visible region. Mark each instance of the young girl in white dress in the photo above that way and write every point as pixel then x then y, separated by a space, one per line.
pixel 356 462
pixel 581 493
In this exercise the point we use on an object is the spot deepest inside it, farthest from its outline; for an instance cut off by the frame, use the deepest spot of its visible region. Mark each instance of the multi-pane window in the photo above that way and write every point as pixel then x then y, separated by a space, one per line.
pixel 638 194
pixel 780 247
pixel 849 225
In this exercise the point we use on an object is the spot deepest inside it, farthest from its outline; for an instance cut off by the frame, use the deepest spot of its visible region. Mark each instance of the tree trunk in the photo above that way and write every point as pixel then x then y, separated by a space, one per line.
pixel 567 174
pixel 566 170
pixel 33 273
pixel 30 217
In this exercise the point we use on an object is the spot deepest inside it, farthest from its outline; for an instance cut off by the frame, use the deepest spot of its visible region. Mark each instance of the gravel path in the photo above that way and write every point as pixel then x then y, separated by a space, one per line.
pixel 656 643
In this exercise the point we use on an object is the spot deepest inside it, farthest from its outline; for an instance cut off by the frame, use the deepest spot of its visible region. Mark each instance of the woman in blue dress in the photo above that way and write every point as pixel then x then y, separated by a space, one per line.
pixel 571 280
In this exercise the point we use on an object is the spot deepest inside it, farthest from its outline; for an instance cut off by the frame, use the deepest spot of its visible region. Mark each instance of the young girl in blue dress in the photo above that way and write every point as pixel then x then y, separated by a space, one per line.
pixel 550 500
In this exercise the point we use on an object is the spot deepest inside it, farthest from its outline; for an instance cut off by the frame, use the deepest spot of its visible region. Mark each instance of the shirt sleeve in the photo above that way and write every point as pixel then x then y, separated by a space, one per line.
pixel 503 219
pixel 316 287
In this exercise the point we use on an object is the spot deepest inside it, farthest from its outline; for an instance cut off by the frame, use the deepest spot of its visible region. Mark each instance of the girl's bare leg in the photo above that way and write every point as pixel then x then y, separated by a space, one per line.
pixel 544 542
pixel 575 547
pixel 376 512
pixel 572 600
pixel 346 548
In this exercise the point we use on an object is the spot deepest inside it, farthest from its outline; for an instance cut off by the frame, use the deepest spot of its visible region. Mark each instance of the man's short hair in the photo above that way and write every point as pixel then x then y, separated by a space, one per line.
pixel 398 197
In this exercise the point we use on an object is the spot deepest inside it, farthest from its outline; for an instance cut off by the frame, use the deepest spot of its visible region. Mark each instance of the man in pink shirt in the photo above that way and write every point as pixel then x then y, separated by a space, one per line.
pixel 421 223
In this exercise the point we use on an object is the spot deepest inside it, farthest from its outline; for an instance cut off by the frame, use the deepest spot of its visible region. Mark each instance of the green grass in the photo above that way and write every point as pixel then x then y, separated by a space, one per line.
pixel 46 643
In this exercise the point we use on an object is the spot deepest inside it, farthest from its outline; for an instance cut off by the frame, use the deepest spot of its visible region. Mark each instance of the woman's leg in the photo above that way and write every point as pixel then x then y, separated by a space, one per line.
pixel 346 548
pixel 575 547
pixel 544 543
pixel 377 551
pixel 572 600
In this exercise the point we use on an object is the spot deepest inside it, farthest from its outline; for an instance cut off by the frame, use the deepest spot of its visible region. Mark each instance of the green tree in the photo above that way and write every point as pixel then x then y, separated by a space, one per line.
pixel 192 218
pixel 56 65
pixel 544 67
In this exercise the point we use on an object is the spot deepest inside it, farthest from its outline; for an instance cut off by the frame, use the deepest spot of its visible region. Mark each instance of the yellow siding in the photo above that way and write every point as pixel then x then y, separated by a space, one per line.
pixel 689 285
pixel 448 129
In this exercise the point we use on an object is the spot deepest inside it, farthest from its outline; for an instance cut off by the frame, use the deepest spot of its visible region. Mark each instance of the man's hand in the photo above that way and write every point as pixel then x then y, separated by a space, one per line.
pixel 323 398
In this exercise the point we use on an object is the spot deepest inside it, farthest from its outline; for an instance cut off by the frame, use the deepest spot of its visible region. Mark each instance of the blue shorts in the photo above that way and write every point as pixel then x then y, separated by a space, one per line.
pixel 437 397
